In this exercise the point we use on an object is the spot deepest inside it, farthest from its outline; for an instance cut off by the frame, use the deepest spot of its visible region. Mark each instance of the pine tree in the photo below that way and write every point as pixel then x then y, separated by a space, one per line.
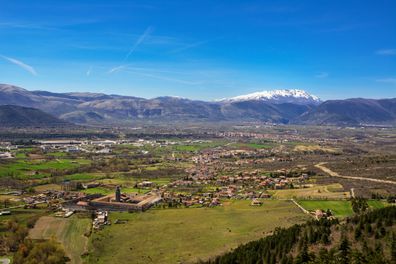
pixel 344 250
pixel 393 248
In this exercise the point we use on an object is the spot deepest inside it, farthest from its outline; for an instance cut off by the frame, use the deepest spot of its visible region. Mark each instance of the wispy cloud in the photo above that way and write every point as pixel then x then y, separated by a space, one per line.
pixel 139 41
pixel 189 46
pixel 21 64
pixel 117 68
pixel 387 80
pixel 150 75
pixel 386 52
pixel 322 75
pixel 88 73
pixel 24 26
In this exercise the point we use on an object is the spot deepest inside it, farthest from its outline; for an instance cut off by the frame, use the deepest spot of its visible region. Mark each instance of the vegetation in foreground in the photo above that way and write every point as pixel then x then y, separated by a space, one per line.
pixel 187 234
pixel 364 238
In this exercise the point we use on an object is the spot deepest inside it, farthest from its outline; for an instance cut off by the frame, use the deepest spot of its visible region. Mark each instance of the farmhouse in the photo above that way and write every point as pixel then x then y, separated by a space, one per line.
pixel 5 155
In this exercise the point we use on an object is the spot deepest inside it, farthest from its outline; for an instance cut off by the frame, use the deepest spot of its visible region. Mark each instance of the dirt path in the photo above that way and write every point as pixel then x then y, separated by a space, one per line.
pixel 335 174
pixel 299 206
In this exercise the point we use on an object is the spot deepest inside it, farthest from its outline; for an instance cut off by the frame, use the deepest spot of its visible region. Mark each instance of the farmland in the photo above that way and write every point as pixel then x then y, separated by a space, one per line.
pixel 333 191
pixel 204 196
pixel 71 232
pixel 205 232
pixel 340 208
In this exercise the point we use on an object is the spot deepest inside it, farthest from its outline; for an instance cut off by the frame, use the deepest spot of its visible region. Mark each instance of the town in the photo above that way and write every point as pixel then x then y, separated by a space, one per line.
pixel 104 185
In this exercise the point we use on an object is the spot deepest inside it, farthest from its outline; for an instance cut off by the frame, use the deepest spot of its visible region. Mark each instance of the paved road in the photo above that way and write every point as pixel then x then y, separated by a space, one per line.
pixel 335 174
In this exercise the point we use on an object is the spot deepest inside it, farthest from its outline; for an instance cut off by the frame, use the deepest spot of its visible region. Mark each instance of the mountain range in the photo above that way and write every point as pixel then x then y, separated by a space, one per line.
pixel 19 116
pixel 279 106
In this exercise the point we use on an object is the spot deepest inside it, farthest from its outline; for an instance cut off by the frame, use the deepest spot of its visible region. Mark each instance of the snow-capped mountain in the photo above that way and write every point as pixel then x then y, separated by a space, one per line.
pixel 294 96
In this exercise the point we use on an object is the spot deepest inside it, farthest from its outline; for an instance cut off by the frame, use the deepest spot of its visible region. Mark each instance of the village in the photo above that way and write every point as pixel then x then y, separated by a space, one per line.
pixel 213 176
pixel 219 182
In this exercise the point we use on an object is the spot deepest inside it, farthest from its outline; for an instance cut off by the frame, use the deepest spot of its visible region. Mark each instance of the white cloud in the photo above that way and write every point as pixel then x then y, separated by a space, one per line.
pixel 322 75
pixel 386 52
pixel 387 80
pixel 21 64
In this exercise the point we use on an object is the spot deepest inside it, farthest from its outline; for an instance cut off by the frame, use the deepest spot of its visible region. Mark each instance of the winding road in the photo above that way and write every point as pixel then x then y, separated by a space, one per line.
pixel 335 174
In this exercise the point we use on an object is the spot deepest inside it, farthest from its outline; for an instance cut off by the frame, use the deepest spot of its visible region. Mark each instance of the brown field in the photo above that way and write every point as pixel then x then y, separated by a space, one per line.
pixel 70 232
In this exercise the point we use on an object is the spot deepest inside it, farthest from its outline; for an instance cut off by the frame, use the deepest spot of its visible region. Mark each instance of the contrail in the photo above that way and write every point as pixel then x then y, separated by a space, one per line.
pixel 139 41
pixel 21 64
pixel 189 46
pixel 89 71
pixel 116 69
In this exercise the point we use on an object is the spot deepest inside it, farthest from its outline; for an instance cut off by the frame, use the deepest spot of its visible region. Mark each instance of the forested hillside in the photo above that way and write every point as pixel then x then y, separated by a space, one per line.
pixel 367 237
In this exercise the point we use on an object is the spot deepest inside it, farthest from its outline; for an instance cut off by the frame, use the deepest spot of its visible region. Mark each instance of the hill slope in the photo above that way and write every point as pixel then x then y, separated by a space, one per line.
pixel 18 116
pixel 351 112
pixel 367 238
pixel 279 106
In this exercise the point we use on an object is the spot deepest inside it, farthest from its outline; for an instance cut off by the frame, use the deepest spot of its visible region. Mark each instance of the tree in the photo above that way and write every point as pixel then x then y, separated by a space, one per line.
pixel 393 248
pixel 359 205
pixel 49 252
pixel 344 250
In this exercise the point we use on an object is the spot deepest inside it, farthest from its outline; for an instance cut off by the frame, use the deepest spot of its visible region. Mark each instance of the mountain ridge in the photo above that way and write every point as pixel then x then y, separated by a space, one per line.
pixel 19 116
pixel 306 109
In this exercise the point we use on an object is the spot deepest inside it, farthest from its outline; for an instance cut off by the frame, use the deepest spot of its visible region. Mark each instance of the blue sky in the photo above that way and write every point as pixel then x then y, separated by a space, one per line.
pixel 202 49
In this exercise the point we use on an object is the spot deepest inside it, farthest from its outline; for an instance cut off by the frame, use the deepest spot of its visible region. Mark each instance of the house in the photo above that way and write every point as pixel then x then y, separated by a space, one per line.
pixel 256 202
pixel 5 155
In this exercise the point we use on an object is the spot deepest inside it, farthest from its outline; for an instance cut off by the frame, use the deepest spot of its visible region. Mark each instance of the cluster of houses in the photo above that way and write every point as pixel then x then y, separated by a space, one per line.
pixel 101 219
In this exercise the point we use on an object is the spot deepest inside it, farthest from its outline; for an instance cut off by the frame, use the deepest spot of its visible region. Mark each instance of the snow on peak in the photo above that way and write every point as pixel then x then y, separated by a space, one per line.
pixel 279 96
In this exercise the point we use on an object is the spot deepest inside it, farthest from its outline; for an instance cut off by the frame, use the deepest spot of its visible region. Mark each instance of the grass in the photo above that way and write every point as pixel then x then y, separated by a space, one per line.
pixel 22 215
pixel 313 148
pixel 188 234
pixel 96 190
pixel 24 168
pixel 46 187
pixel 68 231
pixel 193 147
pixel 339 208
pixel 83 176
pixel 106 191
pixel 331 191
pixel 251 145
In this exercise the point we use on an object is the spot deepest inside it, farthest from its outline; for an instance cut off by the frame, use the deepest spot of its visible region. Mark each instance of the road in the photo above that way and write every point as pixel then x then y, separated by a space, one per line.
pixel 299 206
pixel 335 174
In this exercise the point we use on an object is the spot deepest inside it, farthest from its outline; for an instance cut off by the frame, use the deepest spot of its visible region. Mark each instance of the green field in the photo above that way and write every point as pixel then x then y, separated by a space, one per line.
pixel 22 215
pixel 339 208
pixel 188 234
pixel 332 191
pixel 68 231
pixel 251 145
pixel 23 168
pixel 83 176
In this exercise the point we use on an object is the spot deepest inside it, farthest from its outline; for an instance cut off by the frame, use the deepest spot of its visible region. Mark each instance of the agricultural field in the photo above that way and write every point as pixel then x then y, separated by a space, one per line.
pixel 71 232
pixel 339 208
pixel 332 191
pixel 189 234
pixel 317 148
pixel 27 168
